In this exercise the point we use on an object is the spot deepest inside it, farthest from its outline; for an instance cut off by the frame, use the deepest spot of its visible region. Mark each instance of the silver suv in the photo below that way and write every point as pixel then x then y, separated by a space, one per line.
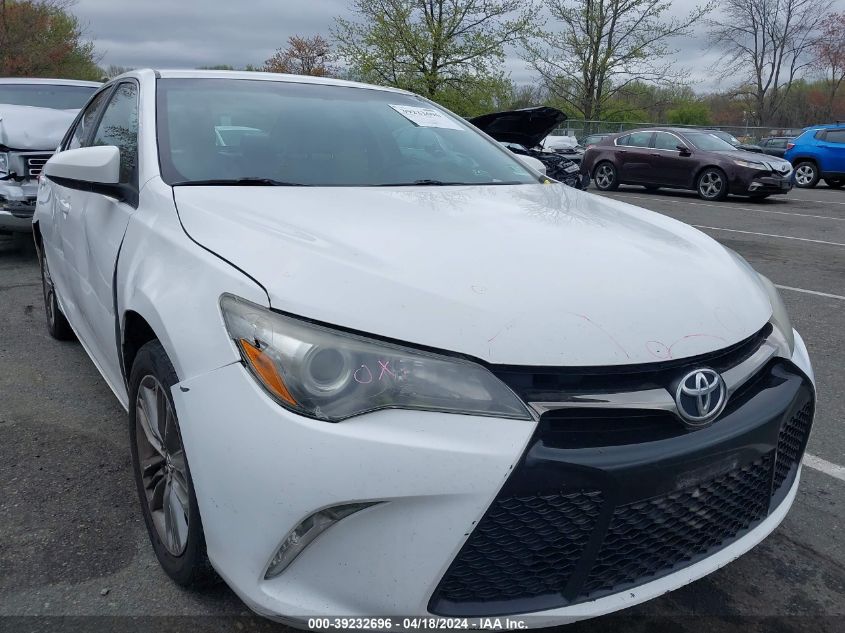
pixel 34 116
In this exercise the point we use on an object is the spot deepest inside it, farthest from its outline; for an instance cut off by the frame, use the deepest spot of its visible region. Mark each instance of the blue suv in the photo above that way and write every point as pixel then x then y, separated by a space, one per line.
pixel 819 153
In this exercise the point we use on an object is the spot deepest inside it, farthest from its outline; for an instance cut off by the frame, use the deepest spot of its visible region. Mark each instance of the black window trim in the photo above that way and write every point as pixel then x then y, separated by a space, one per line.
pixel 124 192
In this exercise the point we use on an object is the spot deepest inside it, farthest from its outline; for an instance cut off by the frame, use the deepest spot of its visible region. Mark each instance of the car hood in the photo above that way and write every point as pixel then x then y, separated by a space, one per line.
pixel 31 128
pixel 524 274
pixel 527 127
pixel 752 156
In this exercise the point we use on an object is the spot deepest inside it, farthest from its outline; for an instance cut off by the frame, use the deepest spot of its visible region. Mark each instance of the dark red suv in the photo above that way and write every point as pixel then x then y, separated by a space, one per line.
pixel 684 159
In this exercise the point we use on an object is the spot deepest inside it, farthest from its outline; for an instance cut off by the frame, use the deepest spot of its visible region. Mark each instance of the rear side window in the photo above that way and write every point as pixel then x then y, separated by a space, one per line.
pixel 777 142
pixel 835 136
pixel 119 127
pixel 635 139
pixel 86 121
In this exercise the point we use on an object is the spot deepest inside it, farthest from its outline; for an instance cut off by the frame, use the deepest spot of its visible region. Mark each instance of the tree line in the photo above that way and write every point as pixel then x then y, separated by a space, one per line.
pixel 780 62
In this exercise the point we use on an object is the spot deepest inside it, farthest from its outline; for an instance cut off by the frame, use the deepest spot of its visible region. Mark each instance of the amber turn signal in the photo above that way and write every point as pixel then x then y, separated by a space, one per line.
pixel 266 370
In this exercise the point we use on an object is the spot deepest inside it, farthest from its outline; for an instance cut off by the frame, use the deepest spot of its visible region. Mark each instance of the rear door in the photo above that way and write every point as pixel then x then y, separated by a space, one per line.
pixel 634 157
pixel 99 228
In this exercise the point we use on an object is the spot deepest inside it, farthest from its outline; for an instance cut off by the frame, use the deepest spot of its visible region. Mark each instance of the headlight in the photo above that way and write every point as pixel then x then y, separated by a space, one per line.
pixel 4 163
pixel 332 375
pixel 750 164
pixel 780 318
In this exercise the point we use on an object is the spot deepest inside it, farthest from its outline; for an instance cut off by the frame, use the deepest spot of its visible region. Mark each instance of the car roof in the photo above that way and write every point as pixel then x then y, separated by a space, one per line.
pixel 51 82
pixel 824 126
pixel 262 76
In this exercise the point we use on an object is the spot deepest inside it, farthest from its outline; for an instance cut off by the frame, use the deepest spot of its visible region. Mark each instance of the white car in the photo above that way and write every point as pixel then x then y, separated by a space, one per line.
pixel 368 375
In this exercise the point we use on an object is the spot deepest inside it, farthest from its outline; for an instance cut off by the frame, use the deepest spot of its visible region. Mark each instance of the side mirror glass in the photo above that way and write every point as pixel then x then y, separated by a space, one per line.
pixel 87 165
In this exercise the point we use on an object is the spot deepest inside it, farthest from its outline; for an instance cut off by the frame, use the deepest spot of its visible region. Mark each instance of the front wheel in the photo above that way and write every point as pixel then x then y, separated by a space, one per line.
pixel 712 184
pixel 605 177
pixel 806 174
pixel 162 476
pixel 834 183
pixel 57 324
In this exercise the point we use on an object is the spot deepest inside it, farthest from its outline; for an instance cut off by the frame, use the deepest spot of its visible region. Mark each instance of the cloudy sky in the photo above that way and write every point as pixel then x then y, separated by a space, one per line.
pixel 191 33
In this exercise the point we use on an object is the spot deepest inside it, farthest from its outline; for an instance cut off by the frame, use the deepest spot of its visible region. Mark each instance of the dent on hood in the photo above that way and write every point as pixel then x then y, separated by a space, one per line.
pixel 33 128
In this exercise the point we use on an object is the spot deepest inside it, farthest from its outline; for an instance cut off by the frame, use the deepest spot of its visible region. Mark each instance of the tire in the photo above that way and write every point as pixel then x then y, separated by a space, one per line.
pixel 155 440
pixel 834 183
pixel 57 324
pixel 651 187
pixel 605 177
pixel 806 174
pixel 712 184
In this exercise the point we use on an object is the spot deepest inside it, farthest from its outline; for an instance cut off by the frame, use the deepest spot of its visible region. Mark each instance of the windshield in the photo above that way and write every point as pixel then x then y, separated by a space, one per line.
pixel 727 137
pixel 226 131
pixel 707 142
pixel 46 95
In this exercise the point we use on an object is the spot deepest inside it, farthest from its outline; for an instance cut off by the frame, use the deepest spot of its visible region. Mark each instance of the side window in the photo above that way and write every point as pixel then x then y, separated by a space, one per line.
pixel 639 139
pixel 664 140
pixel 778 142
pixel 84 123
pixel 835 136
pixel 623 140
pixel 119 127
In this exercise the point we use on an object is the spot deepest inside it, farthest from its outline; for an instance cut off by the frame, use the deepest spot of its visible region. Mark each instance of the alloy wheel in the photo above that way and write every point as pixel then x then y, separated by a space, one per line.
pixel 805 174
pixel 161 458
pixel 711 184
pixel 604 176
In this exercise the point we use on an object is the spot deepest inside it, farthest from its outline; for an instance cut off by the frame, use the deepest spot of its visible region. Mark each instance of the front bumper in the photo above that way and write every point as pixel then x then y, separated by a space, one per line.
pixel 17 205
pixel 259 470
pixel 763 183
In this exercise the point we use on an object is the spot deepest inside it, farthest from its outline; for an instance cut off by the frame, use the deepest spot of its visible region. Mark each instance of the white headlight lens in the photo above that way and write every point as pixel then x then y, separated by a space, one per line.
pixel 750 164
pixel 780 317
pixel 331 375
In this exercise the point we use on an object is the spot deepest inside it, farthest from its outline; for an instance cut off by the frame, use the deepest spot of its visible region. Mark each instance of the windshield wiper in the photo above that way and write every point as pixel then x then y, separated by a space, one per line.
pixel 425 182
pixel 239 182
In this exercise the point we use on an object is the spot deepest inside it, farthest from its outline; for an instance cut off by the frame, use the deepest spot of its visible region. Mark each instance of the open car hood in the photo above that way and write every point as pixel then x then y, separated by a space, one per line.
pixel 527 127
pixel 32 128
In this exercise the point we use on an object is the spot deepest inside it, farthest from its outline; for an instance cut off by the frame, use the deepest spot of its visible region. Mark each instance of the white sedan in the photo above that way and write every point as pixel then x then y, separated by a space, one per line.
pixel 372 372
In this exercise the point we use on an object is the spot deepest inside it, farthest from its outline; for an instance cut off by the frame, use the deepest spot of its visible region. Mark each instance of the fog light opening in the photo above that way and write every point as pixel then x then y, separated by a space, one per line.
pixel 309 529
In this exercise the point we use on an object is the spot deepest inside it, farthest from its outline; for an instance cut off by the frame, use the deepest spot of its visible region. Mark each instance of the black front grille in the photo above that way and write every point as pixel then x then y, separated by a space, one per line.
pixel 791 442
pixel 523 546
pixel 652 538
pixel 585 516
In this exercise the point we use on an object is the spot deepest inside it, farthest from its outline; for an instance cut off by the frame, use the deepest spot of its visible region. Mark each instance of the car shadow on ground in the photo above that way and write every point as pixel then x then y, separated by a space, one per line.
pixel 692 195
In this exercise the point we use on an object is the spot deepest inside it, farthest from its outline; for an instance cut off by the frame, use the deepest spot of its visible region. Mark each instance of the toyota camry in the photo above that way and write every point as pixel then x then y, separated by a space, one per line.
pixel 375 365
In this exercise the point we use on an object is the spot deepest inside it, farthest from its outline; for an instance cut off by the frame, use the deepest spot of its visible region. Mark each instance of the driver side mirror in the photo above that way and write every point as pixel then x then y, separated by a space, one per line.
pixel 683 149
pixel 95 169
pixel 87 165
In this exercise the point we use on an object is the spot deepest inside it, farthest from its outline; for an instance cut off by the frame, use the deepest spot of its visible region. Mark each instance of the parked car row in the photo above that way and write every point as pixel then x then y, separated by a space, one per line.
pixel 684 159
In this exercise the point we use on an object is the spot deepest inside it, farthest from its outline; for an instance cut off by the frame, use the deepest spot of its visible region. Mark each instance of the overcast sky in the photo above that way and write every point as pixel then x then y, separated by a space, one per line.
pixel 191 33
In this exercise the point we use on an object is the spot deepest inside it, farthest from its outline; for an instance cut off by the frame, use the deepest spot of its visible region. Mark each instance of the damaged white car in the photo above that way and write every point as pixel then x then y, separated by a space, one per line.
pixel 34 116
pixel 376 372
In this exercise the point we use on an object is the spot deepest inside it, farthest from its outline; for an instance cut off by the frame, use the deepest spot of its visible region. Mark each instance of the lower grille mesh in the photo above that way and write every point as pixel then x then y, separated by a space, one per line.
pixel 791 442
pixel 523 547
pixel 653 537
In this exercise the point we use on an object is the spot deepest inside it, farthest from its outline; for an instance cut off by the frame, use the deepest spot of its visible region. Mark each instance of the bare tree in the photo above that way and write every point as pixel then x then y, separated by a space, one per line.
pixel 303 56
pixel 766 43
pixel 431 45
pixel 829 56
pixel 601 46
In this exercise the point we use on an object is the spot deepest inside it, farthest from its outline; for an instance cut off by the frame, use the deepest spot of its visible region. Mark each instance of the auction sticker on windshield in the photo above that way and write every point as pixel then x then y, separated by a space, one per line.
pixel 426 117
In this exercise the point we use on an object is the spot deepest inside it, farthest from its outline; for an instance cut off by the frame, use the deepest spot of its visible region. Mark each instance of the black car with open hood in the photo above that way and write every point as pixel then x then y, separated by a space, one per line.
pixel 521 131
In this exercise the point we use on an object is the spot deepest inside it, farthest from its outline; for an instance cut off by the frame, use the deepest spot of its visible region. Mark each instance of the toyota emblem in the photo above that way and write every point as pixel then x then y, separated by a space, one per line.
pixel 700 397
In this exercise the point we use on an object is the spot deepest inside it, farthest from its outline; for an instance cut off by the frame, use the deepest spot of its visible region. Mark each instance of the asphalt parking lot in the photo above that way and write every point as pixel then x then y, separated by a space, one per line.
pixel 73 544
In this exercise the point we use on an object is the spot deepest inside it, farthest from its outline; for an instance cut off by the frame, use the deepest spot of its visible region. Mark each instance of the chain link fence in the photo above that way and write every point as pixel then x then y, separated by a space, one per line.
pixel 580 128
